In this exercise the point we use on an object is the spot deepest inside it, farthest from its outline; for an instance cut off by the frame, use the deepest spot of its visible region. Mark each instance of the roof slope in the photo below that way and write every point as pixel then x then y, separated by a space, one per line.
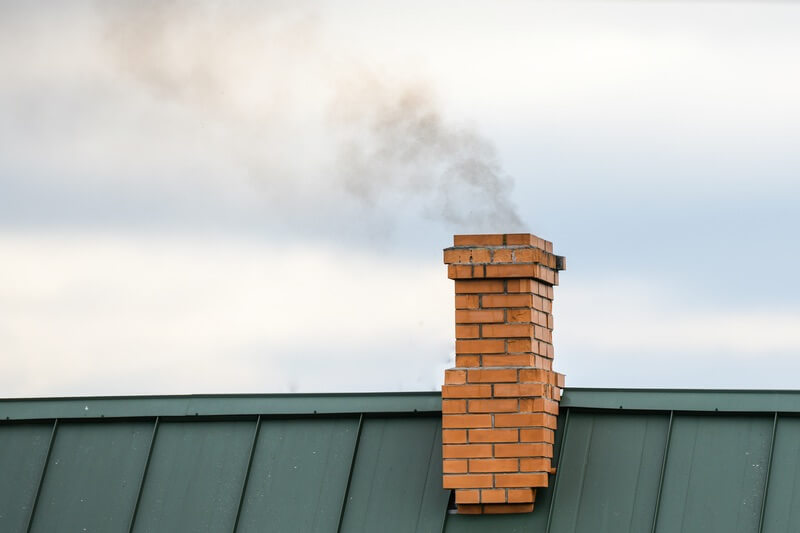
pixel 628 461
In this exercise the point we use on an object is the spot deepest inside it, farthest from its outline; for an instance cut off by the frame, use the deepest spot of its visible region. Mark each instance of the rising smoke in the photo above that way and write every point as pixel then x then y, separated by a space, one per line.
pixel 247 68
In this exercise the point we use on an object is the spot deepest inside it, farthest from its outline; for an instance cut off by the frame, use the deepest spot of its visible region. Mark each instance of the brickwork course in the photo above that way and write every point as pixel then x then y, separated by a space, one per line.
pixel 500 402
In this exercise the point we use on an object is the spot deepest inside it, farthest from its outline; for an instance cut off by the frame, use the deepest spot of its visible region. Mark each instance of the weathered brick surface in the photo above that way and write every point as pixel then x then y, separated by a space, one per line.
pixel 500 402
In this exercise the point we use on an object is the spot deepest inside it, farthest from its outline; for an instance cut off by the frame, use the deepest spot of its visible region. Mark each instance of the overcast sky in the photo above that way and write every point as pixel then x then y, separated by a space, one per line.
pixel 253 197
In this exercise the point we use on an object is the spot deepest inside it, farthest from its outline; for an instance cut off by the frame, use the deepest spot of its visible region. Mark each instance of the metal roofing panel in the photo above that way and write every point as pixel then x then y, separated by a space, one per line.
pixel 23 450
pixel 195 477
pixel 610 471
pixel 298 475
pixel 92 476
pixel 782 510
pixel 396 469
pixel 715 474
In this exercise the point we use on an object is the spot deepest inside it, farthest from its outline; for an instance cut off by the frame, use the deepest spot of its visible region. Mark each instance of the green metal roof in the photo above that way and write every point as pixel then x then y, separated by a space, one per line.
pixel 628 461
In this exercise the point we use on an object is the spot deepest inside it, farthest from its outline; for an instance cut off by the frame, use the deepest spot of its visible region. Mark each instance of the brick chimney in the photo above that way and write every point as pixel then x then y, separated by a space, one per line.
pixel 500 402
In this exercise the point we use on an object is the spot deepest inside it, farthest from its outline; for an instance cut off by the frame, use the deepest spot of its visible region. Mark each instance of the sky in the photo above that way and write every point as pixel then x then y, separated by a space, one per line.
pixel 253 197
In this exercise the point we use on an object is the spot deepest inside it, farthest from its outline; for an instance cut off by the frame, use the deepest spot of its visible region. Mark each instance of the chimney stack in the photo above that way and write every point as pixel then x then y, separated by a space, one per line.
pixel 500 402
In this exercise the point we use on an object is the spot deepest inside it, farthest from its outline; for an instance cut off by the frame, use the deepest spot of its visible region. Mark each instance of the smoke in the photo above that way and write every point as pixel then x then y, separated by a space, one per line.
pixel 262 72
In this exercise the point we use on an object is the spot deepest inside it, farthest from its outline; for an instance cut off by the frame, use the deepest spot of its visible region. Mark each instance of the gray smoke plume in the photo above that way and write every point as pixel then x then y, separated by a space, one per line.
pixel 389 143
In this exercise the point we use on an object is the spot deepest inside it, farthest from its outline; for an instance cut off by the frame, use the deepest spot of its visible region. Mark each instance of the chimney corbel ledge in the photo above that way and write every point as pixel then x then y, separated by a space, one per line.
pixel 500 402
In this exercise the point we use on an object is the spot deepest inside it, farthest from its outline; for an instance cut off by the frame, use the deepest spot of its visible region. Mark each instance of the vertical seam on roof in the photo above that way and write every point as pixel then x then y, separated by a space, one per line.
pixel 558 470
pixel 427 476
pixel 661 475
pixel 583 475
pixel 144 474
pixel 350 473
pixel 638 476
pixel 41 476
pixel 247 473
pixel 689 477
pixel 769 470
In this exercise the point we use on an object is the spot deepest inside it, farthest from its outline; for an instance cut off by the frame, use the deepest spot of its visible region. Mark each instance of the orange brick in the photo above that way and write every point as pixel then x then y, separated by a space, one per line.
pixel 523 450
pixel 538 405
pixel 560 378
pixel 470 481
pixel 492 375
pixel 524 314
pixel 493 465
pixel 536 435
pixel 481 316
pixel 518 420
pixel 464 272
pixel 469 255
pixel 455 377
pixel 518 270
pixel 469 509
pixel 507 508
pixel 479 286
pixel 493 496
pixel 466 391
pixel 468 496
pixel 520 239
pixel 478 240
pixel 505 405
pixel 468 361
pixel 507 300
pixel 541 333
pixel 454 466
pixel 521 345
pixel 534 464
pixel 480 346
pixel 465 451
pixel 454 406
pixel 534 375
pixel 557 394
pixel 522 359
pixel 529 255
pixel 507 330
pixel 521 495
pixel 520 480
pixel 493 435
pixel 454 436
pixel 520 285
pixel 467 332
pixel 467 301
pixel 502 256
pixel 466 421
pixel 518 390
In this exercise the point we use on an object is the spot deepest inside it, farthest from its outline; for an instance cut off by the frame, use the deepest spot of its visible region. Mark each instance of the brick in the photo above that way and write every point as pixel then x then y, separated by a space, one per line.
pixel 453 376
pixel 502 256
pixel 520 480
pixel 506 300
pixel 518 419
pixel 520 315
pixel 469 509
pixel 507 330
pixel 537 435
pixel 529 255
pixel 479 286
pixel 467 332
pixel 466 421
pixel 465 451
pixel 538 405
pixel 454 406
pixel 493 495
pixel 507 508
pixel 470 481
pixel 468 255
pixel 455 466
pixel 521 495
pixel 478 240
pixel 541 333
pixel 467 301
pixel 523 450
pixel 462 272
pixel 518 389
pixel 479 316
pixel 557 394
pixel 560 378
pixel 493 465
pixel 516 270
pixel 520 285
pixel 454 436
pixel 468 361
pixel 521 345
pixel 468 496
pixel 534 375
pixel 480 346
pixel 505 405
pixel 492 375
pixel 534 464
pixel 493 435
pixel 466 391
pixel 522 359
